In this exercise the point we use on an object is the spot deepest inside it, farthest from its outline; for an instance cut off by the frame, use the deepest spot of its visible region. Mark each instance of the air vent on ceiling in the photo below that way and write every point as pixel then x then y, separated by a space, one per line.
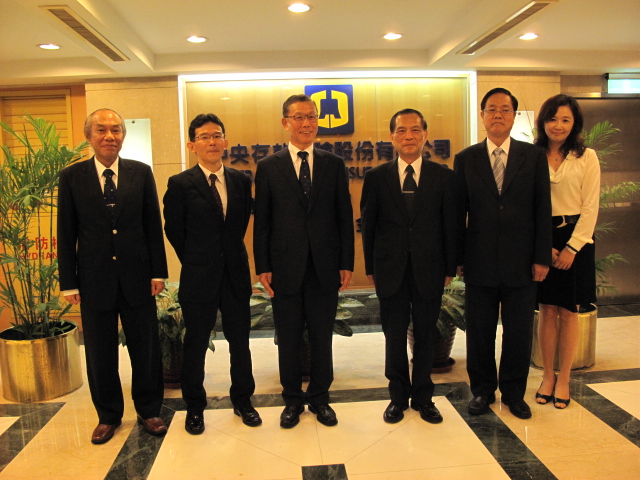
pixel 73 21
pixel 503 27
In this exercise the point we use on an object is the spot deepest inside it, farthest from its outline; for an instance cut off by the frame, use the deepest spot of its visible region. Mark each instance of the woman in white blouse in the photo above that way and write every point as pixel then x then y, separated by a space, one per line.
pixel 571 282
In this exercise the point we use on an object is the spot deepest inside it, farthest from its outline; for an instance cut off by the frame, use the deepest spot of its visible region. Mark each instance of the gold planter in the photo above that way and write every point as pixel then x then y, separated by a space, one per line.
pixel 585 356
pixel 36 370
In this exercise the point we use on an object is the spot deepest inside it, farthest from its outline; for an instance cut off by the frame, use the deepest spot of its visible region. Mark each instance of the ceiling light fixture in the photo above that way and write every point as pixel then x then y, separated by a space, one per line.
pixel 528 36
pixel 197 39
pixel 299 8
pixel 49 46
pixel 504 26
pixel 392 36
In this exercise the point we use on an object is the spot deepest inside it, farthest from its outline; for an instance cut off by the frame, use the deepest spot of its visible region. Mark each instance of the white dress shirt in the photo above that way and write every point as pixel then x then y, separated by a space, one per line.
pixel 297 161
pixel 575 189
pixel 402 166
pixel 505 147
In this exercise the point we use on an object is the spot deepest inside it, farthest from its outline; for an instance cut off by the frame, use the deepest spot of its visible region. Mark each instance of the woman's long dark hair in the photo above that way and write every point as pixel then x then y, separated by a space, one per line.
pixel 574 142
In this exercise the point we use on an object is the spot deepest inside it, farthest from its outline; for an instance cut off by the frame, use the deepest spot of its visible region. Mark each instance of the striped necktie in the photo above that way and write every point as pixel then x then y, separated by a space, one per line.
pixel 498 168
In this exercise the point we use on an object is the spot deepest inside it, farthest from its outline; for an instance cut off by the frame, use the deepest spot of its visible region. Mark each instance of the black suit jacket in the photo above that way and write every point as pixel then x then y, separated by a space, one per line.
pixel 506 234
pixel 287 229
pixel 202 239
pixel 389 233
pixel 96 255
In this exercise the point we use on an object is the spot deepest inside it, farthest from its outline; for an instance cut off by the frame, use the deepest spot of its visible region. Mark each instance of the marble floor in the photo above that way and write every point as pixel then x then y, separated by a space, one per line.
pixel 597 437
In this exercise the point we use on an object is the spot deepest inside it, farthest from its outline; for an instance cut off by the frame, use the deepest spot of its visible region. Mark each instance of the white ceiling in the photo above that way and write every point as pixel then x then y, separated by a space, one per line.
pixel 576 37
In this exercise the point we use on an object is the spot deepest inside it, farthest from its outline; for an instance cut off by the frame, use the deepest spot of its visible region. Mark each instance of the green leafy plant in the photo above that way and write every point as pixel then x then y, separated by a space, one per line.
pixel 171 326
pixel 28 203
pixel 599 138
pixel 340 326
pixel 452 308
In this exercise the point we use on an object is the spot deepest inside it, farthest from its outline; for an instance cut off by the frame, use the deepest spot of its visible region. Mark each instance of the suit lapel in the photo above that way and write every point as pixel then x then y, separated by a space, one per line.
pixel 392 179
pixel 232 192
pixel 482 165
pixel 425 185
pixel 285 164
pixel 319 176
pixel 514 163
pixel 95 193
pixel 125 182
pixel 95 189
pixel 201 184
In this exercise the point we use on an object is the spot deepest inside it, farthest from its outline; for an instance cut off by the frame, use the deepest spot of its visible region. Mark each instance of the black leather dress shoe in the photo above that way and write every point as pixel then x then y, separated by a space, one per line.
pixel 479 405
pixel 290 416
pixel 194 424
pixel 519 408
pixel 324 414
pixel 250 416
pixel 393 413
pixel 428 412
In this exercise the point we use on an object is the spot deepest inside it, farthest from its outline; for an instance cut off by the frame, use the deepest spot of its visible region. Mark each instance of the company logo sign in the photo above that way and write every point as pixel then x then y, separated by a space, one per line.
pixel 335 108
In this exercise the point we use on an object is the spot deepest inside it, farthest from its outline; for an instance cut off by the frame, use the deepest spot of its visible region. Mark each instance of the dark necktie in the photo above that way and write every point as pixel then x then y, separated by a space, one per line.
pixel 305 175
pixel 409 188
pixel 216 194
pixel 109 190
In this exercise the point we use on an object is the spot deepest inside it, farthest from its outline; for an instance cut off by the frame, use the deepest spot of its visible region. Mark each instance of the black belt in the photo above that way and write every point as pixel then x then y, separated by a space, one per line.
pixel 563 220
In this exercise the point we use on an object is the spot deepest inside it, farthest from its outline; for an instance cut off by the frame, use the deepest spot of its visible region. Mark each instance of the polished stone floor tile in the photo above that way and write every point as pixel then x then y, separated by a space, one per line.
pixel 596 437
pixel 625 395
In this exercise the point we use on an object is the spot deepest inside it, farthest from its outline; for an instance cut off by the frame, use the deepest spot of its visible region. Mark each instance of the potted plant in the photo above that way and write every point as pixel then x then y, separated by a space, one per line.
pixel 450 319
pixel 340 326
pixel 172 330
pixel 39 354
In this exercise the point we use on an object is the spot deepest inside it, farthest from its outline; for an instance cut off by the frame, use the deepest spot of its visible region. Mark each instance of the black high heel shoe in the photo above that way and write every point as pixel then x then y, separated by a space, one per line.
pixel 546 398
pixel 556 401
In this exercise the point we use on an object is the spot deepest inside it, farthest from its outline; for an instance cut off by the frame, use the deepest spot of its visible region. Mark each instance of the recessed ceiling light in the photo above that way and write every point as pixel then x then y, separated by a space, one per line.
pixel 528 36
pixel 299 8
pixel 197 39
pixel 392 36
pixel 49 46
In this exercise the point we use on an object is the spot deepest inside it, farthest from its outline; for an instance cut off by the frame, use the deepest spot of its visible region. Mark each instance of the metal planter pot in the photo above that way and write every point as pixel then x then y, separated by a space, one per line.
pixel 37 370
pixel 585 356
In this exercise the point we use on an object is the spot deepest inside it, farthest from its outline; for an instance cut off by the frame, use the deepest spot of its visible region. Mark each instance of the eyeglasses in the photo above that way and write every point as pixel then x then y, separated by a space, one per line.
pixel 493 111
pixel 300 118
pixel 205 137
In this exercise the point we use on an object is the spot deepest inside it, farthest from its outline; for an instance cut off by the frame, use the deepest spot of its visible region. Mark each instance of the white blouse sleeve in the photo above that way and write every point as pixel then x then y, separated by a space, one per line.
pixel 583 232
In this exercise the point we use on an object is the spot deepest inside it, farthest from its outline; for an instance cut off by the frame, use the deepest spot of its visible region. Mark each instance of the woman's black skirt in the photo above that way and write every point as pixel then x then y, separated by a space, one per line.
pixel 576 286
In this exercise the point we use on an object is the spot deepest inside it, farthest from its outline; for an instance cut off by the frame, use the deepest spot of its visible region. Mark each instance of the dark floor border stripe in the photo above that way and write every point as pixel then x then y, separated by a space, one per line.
pixel 615 417
pixel 32 417
pixel 510 452
pixel 140 450
pixel 325 472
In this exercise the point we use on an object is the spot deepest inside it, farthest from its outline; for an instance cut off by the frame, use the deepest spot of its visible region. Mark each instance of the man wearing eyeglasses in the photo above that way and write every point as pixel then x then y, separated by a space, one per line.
pixel 207 209
pixel 507 249
pixel 303 249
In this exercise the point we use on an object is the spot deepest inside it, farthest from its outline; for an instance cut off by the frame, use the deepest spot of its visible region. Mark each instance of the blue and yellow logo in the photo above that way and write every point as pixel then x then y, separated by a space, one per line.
pixel 335 108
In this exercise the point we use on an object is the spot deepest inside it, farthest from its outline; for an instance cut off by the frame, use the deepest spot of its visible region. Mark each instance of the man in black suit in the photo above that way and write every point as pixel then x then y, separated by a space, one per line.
pixel 112 262
pixel 303 249
pixel 507 248
pixel 409 235
pixel 206 211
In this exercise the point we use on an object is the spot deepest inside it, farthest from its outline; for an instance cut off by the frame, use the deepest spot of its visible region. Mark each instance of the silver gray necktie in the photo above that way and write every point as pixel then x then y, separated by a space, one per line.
pixel 498 168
